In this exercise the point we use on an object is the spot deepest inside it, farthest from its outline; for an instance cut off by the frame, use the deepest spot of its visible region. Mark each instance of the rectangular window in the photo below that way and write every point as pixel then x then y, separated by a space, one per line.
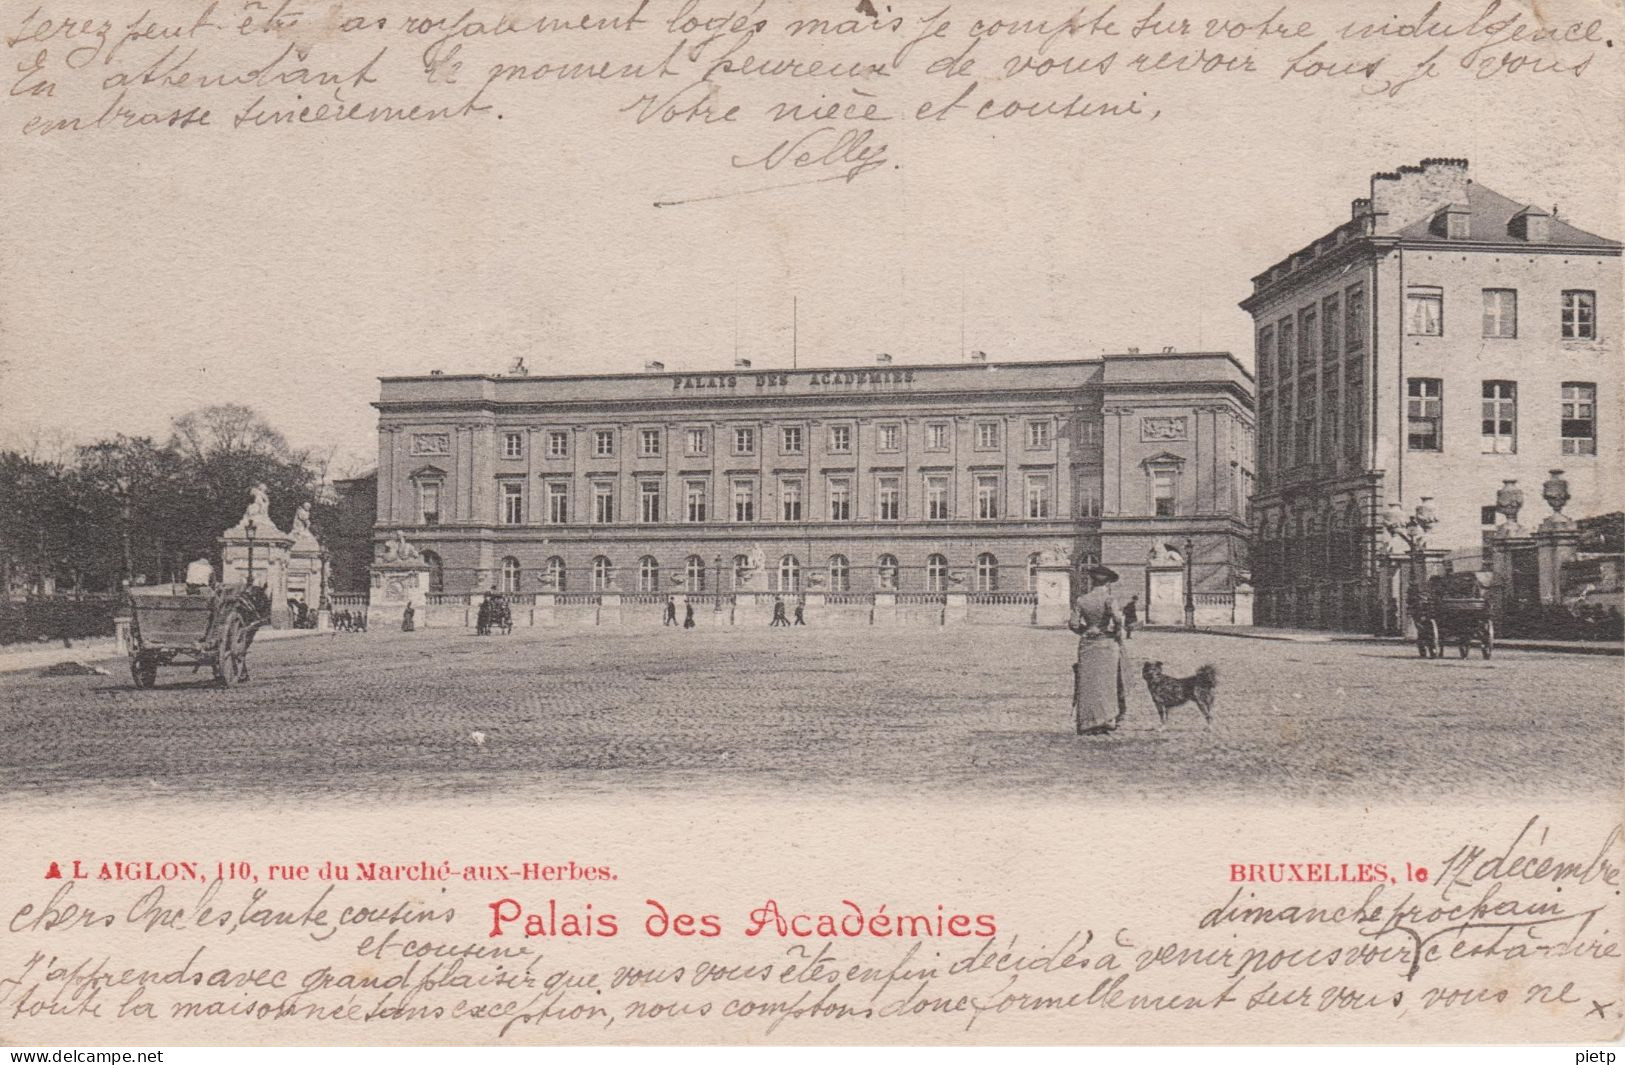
pixel 1089 498
pixel 558 444
pixel 649 502
pixel 840 499
pixel 1286 339
pixel 1424 311
pixel 888 436
pixel 790 499
pixel 987 436
pixel 1424 414
pixel 1263 356
pixel 1038 435
pixel 790 440
pixel 1354 424
pixel 936 498
pixel 1354 319
pixel 889 495
pixel 603 502
pixel 1038 505
pixel 648 442
pixel 603 442
pixel 1501 312
pixel 840 438
pixel 558 503
pixel 429 502
pixel 513 503
pixel 1579 315
pixel 1308 337
pixel 1162 492
pixel 936 436
pixel 744 501
pixel 694 497
pixel 1500 429
pixel 696 441
pixel 513 445
pixel 744 440
pixel 1091 432
pixel 1330 323
pixel 1579 418
pixel 987 496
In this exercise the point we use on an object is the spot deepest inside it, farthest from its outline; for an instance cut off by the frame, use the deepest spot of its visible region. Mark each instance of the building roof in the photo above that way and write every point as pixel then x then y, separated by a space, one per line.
pixel 1490 217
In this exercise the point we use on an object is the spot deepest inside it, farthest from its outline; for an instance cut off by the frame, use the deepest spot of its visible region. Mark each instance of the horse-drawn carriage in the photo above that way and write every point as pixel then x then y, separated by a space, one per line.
pixel 1455 608
pixel 211 627
pixel 494 614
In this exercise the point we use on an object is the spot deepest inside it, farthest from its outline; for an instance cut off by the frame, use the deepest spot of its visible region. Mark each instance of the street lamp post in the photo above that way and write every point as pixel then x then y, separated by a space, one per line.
pixel 1412 530
pixel 1190 593
pixel 716 599
pixel 251 527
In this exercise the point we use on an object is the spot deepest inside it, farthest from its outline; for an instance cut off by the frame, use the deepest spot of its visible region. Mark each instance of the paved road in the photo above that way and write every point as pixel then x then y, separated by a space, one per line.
pixel 382 716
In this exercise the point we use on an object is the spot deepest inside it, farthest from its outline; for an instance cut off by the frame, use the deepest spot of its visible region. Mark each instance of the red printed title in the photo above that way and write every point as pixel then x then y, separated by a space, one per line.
pixel 852 921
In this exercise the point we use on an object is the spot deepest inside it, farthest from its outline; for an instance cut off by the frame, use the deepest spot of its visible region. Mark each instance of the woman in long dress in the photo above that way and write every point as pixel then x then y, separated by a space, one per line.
pixel 1100 677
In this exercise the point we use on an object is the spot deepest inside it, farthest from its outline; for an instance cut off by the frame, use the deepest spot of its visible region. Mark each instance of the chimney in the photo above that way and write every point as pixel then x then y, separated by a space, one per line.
pixel 1411 193
pixel 436 373
pixel 1133 351
pixel 1167 349
pixel 653 366
pixel 883 359
pixel 978 356
pixel 1531 224
pixel 741 364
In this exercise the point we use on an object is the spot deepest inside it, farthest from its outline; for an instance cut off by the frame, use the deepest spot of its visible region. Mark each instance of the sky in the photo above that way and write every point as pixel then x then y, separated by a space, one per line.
pixel 148 275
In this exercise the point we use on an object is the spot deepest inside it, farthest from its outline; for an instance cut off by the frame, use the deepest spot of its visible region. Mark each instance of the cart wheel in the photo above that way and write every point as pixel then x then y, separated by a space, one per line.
pixel 1422 646
pixel 1489 638
pixel 1466 645
pixel 231 667
pixel 1435 645
pixel 144 669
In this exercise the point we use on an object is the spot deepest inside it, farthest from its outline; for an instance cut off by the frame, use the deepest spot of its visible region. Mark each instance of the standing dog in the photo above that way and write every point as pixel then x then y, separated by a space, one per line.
pixel 1168 692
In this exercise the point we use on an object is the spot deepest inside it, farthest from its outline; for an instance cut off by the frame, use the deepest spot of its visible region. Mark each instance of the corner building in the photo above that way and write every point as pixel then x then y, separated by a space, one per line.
pixel 1443 341
pixel 913 479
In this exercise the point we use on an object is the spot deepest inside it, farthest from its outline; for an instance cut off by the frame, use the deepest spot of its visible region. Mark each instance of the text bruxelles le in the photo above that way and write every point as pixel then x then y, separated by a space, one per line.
pixel 767 919
pixel 815 379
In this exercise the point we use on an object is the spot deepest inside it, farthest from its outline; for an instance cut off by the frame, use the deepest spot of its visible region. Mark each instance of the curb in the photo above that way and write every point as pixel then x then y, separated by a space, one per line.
pixel 1612 649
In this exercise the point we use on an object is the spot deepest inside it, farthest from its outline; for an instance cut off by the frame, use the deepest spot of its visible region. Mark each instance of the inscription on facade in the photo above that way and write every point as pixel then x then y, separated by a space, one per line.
pixel 815 379
pixel 1162 428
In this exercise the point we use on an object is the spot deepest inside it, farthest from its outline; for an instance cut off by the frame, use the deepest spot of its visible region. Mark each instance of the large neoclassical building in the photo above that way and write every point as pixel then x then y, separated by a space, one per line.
pixel 906 478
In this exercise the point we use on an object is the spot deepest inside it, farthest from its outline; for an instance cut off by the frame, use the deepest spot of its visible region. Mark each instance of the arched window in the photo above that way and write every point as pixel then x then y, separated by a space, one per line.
pixel 789 574
pixel 648 574
pixel 840 574
pixel 1032 572
pixel 741 572
pixel 437 572
pixel 556 574
pixel 987 573
pixel 936 574
pixel 603 574
pixel 886 573
pixel 511 574
pixel 694 572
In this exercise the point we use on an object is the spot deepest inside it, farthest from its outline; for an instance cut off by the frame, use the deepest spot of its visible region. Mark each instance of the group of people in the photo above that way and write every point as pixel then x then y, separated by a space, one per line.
pixel 779 617
pixel 671 614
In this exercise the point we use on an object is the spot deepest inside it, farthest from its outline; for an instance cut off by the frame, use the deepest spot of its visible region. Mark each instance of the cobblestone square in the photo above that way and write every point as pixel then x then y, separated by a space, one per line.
pixel 795 712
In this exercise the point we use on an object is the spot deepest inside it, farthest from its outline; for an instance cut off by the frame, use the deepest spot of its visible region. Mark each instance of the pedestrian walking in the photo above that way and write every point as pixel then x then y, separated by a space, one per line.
pixel 671 612
pixel 408 619
pixel 1131 616
pixel 688 615
pixel 778 614
pixel 800 617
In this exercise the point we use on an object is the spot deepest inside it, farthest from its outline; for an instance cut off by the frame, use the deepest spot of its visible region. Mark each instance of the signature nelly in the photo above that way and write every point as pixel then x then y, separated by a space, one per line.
pixel 826 153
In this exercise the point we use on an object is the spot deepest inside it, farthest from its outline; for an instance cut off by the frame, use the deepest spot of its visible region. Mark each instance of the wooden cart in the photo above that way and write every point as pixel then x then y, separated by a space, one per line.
pixel 1456 608
pixel 214 627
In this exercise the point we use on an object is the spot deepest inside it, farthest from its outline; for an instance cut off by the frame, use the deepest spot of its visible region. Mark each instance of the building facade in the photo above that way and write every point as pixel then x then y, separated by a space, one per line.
pixel 913 479
pixel 1445 340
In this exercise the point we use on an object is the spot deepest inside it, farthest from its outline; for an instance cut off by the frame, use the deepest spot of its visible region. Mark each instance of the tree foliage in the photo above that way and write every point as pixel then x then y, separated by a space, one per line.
pixel 132 507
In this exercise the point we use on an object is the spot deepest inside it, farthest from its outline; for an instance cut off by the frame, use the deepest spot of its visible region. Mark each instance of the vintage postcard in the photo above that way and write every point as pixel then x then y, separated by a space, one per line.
pixel 775 521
